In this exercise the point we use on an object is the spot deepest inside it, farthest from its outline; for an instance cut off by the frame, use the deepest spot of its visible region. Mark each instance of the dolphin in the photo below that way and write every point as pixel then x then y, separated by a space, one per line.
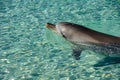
pixel 87 39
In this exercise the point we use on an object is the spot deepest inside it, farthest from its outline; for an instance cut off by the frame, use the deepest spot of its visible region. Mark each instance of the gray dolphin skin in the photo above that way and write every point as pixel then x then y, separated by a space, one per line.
pixel 84 38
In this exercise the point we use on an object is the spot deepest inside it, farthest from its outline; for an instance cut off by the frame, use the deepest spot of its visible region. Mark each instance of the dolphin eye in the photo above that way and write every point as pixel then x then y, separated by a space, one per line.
pixel 63 35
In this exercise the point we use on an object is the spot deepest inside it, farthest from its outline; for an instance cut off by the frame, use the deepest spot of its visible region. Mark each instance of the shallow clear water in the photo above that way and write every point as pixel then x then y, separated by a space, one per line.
pixel 29 51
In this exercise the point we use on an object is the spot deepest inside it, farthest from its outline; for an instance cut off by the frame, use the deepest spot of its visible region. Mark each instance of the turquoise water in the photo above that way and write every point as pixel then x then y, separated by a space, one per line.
pixel 29 51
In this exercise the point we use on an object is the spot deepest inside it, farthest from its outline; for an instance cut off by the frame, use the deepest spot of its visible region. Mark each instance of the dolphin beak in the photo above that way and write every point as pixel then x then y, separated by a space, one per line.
pixel 51 27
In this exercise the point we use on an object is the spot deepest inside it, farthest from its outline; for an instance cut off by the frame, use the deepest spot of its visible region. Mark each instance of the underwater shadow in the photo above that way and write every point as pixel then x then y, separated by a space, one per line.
pixel 108 61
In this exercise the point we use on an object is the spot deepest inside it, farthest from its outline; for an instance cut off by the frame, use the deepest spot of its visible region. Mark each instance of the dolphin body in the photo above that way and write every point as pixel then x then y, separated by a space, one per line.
pixel 87 39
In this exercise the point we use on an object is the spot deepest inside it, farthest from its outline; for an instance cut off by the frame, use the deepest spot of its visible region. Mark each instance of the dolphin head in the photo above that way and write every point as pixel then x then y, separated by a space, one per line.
pixel 64 29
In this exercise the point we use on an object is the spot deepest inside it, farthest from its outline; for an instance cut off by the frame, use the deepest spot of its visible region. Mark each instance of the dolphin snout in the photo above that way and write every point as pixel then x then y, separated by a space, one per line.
pixel 51 26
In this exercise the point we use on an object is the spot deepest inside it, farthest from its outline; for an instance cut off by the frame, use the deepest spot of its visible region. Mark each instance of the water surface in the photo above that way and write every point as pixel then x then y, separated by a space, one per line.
pixel 29 51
